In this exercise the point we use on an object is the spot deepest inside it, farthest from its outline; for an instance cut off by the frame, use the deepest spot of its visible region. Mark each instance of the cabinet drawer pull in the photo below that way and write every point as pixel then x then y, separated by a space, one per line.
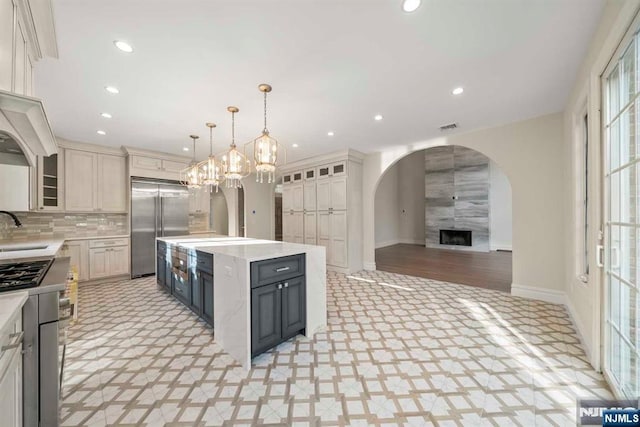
pixel 17 342
pixel 281 269
pixel 280 286
pixel 286 285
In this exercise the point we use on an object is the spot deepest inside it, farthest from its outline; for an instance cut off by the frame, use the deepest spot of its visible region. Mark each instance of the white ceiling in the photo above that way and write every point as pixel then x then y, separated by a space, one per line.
pixel 333 66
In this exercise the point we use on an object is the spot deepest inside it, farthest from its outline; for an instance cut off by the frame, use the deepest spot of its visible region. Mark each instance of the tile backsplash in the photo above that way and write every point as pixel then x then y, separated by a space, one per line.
pixel 198 222
pixel 50 225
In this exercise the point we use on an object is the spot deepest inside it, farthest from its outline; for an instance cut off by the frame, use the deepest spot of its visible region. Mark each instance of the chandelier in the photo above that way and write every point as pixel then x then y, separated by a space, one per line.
pixel 265 148
pixel 210 167
pixel 192 176
pixel 235 165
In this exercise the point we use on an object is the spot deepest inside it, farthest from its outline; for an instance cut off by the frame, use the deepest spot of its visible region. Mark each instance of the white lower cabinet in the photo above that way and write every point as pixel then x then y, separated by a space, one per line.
pixel 98 258
pixel 11 371
pixel 78 251
pixel 293 227
pixel 332 234
pixel 310 228
pixel 106 262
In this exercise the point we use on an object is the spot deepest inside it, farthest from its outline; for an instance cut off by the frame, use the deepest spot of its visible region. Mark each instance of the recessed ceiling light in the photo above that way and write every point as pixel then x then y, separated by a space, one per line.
pixel 330 133
pixel 377 117
pixel 185 148
pixel 106 115
pixel 410 5
pixel 295 145
pixel 123 46
pixel 101 132
pixel 111 89
pixel 457 91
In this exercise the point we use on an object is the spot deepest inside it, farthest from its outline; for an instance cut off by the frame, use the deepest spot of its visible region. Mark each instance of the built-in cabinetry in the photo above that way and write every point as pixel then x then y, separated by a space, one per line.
pixel 149 164
pixel 11 336
pixel 200 200
pixel 278 301
pixel 23 41
pixel 94 182
pixel 98 258
pixel 187 274
pixel 50 189
pixel 321 204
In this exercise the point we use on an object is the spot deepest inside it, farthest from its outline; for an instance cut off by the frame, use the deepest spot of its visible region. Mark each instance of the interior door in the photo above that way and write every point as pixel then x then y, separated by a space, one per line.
pixel 174 210
pixel 622 219
pixel 144 210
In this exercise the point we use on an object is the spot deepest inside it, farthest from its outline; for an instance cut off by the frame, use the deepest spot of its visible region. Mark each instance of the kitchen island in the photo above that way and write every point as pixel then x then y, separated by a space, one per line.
pixel 255 293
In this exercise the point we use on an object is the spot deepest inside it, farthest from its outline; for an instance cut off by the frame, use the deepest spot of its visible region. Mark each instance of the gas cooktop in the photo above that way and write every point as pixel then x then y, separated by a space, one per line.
pixel 22 275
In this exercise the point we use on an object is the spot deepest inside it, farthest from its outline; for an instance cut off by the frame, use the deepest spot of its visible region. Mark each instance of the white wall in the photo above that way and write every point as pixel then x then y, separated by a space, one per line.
pixel 584 299
pixel 530 154
pixel 399 204
pixel 219 213
pixel 411 198
pixel 386 205
pixel 500 220
pixel 259 208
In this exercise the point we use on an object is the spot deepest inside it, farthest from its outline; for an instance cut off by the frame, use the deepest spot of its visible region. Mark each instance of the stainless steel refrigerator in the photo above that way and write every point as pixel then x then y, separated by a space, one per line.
pixel 158 209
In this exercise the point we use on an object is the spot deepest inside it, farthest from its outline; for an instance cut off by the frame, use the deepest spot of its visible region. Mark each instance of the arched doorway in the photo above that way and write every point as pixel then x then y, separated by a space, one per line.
pixel 219 213
pixel 445 213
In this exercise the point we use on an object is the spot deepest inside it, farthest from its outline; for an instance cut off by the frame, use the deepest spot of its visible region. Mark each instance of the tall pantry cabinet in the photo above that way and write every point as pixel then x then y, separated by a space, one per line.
pixel 322 204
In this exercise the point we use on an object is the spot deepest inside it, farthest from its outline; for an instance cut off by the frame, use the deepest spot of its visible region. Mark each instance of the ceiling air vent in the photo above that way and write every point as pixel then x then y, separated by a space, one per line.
pixel 449 126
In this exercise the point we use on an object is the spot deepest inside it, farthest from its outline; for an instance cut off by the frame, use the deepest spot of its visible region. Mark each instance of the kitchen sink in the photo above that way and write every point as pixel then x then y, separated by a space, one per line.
pixel 23 248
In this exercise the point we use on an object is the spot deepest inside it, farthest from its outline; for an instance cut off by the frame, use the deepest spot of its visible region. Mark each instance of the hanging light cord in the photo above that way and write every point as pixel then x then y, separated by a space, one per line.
pixel 194 149
pixel 265 114
pixel 211 141
pixel 233 129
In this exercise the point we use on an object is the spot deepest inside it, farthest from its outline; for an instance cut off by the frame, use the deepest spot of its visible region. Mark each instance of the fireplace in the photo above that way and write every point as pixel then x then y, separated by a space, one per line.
pixel 455 237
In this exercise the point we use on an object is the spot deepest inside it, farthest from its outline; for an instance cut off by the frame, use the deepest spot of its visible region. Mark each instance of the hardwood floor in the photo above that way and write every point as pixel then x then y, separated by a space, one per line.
pixel 491 270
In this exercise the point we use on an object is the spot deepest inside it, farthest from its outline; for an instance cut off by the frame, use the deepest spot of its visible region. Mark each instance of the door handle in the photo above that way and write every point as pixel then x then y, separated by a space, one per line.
pixel 16 343
pixel 599 253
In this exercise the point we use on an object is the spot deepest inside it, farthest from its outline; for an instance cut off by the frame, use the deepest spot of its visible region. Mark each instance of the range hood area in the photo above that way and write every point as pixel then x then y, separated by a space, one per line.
pixel 24 121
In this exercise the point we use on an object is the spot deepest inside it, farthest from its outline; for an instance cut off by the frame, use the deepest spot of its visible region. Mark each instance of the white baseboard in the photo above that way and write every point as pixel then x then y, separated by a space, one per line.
pixel 586 345
pixel 399 241
pixel 544 294
pixel 387 243
pixel 367 265
pixel 501 247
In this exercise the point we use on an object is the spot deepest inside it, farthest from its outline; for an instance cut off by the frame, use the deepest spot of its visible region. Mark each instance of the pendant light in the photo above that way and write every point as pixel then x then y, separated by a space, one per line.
pixel 265 148
pixel 211 168
pixel 191 176
pixel 235 165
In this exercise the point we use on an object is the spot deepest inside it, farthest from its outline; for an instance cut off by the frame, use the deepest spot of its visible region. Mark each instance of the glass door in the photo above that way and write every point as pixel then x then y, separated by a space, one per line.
pixel 622 171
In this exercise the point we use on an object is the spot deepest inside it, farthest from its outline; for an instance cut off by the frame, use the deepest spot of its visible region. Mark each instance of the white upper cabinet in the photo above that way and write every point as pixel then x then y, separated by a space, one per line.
pixel 112 184
pixel 200 200
pixel 94 182
pixel 287 199
pixel 80 180
pixel 6 44
pixel 297 203
pixel 323 195
pixel 50 188
pixel 338 193
pixel 310 196
pixel 27 33
pixel 150 166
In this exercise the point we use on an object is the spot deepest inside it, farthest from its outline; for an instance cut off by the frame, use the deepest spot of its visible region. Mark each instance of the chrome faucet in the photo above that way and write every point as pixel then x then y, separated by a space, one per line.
pixel 15 218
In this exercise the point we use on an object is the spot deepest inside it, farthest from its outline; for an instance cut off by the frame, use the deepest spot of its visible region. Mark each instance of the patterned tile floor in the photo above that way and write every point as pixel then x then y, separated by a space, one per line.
pixel 398 351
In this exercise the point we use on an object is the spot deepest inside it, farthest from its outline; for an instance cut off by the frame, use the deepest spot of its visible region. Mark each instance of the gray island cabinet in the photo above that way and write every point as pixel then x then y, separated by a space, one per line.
pixel 255 293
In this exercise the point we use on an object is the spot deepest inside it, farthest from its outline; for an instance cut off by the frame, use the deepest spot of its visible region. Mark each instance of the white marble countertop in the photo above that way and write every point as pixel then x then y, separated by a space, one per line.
pixel 51 247
pixel 238 247
pixel 10 302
